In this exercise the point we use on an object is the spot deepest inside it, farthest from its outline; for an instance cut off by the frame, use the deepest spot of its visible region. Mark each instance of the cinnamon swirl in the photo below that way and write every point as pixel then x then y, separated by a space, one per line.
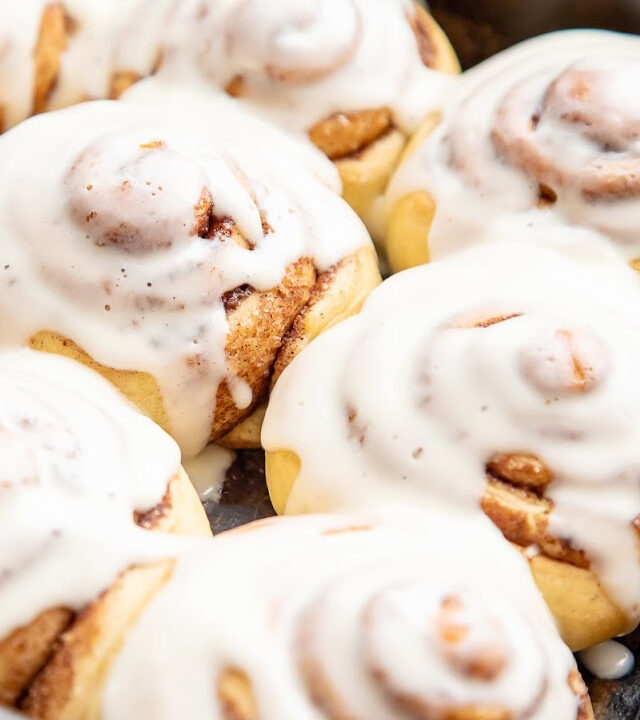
pixel 83 477
pixel 543 134
pixel 338 617
pixel 184 259
pixel 504 378
pixel 357 75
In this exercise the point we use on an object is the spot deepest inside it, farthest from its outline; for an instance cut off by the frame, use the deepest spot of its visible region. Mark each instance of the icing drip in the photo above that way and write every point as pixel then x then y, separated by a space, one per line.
pixel 121 245
pixel 545 133
pixel 208 471
pixel 348 617
pixel 501 360
pixel 298 60
pixel 608 661
pixel 76 462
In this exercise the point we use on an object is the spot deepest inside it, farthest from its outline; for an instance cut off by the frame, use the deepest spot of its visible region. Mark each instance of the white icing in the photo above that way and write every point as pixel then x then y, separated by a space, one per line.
pixel 582 135
pixel 609 660
pixel 76 462
pixel 301 59
pixel 342 602
pixel 170 94
pixel 406 403
pixel 103 249
pixel 207 471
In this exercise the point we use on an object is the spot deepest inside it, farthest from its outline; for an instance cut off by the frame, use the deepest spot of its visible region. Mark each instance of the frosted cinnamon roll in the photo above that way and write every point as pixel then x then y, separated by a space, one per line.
pixel 54 53
pixel 504 378
pixel 83 477
pixel 545 133
pixel 338 617
pixel 183 259
pixel 358 76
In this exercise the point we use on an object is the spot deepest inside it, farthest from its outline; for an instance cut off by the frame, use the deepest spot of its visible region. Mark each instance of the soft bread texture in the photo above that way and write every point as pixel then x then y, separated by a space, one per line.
pixel 87 482
pixel 588 619
pixel 87 638
pixel 324 620
pixel 84 652
pixel 387 418
pixel 262 340
pixel 203 260
pixel 367 146
pixel 364 136
pixel 527 139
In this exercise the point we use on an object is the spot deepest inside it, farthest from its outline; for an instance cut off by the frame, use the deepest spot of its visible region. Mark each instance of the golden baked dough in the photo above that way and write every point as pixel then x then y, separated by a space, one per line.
pixel 325 618
pixel 28 648
pixel 367 146
pixel 173 274
pixel 424 396
pixel 538 134
pixel 262 340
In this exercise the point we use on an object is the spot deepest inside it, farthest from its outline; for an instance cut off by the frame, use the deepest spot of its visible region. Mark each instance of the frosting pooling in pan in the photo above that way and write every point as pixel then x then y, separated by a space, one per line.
pixel 503 350
pixel 544 134
pixel 347 616
pixel 76 463
pixel 112 247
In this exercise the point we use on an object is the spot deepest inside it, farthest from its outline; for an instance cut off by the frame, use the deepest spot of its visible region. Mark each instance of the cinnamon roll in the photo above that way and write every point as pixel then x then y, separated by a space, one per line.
pixel 337 617
pixel 184 259
pixel 83 478
pixel 503 378
pixel 543 134
pixel 357 75
pixel 54 53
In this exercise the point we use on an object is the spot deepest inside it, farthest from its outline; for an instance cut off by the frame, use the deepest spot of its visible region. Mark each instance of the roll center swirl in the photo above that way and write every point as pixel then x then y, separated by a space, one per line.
pixel 137 197
pixel 293 40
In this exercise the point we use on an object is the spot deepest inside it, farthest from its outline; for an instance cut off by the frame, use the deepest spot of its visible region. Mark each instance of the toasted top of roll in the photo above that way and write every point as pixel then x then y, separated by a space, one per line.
pixel 124 233
pixel 546 132
pixel 507 360
pixel 77 464
pixel 299 59
pixel 337 617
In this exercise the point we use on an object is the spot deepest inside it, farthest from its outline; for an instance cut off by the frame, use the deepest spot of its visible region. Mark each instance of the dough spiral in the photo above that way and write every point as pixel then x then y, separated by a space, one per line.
pixel 492 379
pixel 341 617
pixel 183 259
pixel 81 472
pixel 543 134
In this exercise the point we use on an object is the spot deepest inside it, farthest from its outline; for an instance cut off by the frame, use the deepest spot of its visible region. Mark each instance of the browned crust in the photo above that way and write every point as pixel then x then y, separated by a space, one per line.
pixel 70 685
pixel 56 27
pixel 258 322
pixel 342 289
pixel 25 652
pixel 523 517
pixel 296 335
pixel 28 649
pixel 345 133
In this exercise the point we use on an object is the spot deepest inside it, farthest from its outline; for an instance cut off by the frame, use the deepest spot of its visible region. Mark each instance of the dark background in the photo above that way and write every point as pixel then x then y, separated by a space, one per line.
pixel 479 28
